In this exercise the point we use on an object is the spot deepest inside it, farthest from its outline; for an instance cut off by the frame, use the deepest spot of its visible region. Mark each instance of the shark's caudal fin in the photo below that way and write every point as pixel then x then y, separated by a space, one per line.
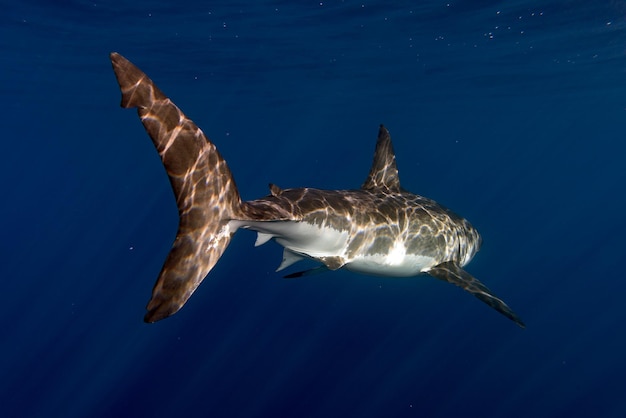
pixel 206 194
pixel 452 273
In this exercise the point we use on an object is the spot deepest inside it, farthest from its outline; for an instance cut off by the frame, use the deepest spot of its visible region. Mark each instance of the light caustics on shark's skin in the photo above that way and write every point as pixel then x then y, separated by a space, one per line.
pixel 379 229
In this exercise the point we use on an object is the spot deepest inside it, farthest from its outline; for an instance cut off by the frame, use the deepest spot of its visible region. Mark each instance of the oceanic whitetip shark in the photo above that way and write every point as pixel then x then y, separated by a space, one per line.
pixel 379 229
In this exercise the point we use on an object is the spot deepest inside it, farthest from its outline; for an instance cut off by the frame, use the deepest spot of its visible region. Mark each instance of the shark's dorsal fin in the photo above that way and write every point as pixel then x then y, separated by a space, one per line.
pixel 384 173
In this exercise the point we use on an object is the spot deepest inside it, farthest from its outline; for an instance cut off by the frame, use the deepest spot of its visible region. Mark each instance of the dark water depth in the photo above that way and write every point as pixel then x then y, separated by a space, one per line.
pixel 513 114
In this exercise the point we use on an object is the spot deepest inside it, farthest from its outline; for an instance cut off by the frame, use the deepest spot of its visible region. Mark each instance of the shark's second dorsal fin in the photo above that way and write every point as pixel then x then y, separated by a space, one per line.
pixel 384 173
pixel 275 190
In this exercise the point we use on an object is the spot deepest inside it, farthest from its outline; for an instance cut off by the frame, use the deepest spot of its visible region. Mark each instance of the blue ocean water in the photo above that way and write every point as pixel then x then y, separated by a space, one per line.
pixel 510 113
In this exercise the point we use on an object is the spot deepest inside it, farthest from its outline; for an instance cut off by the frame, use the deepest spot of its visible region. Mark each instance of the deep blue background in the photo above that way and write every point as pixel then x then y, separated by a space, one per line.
pixel 513 114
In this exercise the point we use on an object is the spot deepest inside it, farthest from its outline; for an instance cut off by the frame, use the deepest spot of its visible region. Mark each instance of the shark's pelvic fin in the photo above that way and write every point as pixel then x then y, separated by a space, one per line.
pixel 383 173
pixel 206 194
pixel 309 272
pixel 289 258
pixel 452 273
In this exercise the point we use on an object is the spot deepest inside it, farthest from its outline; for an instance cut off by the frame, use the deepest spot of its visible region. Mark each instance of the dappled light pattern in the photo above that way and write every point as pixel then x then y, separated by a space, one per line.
pixel 378 229
pixel 205 192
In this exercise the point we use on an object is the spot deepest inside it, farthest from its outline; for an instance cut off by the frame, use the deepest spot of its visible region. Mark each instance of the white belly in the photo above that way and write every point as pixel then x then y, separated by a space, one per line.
pixel 317 242
pixel 304 238
pixel 381 265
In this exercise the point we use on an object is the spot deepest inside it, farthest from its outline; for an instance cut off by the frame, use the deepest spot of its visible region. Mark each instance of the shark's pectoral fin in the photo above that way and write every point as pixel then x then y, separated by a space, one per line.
pixel 452 273
pixel 309 272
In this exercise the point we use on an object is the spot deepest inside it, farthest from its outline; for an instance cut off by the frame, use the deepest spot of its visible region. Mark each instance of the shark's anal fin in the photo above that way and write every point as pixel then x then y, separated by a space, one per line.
pixel 262 238
pixel 452 273
pixel 205 191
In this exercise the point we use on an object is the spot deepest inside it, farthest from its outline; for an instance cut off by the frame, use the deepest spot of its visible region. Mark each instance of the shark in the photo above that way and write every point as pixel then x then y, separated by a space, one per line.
pixel 378 229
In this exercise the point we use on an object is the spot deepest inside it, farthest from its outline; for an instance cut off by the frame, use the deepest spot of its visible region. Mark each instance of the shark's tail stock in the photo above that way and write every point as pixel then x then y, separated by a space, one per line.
pixel 206 194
